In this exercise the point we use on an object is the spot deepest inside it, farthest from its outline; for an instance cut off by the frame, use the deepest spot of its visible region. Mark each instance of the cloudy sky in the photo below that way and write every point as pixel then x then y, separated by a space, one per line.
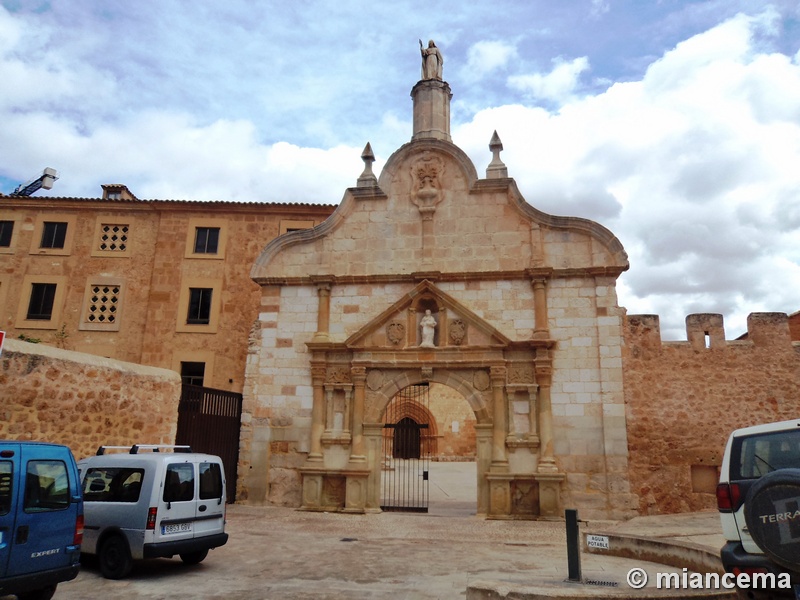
pixel 674 123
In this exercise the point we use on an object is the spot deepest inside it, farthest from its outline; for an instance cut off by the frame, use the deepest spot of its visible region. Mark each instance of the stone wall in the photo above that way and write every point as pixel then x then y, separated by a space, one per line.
pixel 683 399
pixel 455 425
pixel 84 401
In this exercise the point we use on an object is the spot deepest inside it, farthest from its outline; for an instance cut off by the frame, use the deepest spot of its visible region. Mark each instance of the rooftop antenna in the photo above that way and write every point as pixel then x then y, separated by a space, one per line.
pixel 44 181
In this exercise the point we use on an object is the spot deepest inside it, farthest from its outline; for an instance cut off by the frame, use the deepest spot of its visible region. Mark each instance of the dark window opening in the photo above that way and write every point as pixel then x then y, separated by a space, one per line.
pixel 113 484
pixel 179 483
pixel 6 486
pixel 199 306
pixel 40 307
pixel 46 486
pixel 210 481
pixel 407 439
pixel 6 229
pixel 193 373
pixel 206 240
pixel 53 235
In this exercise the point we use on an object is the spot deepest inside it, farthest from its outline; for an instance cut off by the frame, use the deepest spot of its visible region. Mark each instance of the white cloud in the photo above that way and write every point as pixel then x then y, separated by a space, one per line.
pixel 694 168
pixel 559 85
pixel 486 57
pixel 600 7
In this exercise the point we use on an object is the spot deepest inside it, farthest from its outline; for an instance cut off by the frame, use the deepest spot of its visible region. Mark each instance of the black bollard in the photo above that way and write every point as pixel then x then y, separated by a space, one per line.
pixel 573 545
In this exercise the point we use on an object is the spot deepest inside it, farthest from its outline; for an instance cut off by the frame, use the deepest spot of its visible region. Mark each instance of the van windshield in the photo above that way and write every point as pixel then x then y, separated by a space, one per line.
pixel 756 455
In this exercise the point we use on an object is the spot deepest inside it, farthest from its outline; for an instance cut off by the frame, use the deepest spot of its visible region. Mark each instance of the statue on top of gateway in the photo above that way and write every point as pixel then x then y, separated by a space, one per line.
pixel 432 61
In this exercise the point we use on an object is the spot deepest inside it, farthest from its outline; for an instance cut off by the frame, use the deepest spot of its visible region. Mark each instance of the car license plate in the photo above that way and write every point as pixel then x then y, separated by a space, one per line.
pixel 176 528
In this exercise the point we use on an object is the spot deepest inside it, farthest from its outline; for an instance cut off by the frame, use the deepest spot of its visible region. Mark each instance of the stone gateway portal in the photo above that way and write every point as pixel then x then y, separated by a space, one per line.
pixel 432 275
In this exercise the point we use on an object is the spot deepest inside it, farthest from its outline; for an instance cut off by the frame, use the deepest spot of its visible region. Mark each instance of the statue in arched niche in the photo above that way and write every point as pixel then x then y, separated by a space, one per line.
pixel 428 324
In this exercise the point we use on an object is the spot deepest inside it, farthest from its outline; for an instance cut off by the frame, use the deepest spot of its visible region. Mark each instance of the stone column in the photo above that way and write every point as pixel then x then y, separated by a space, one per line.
pixel 329 410
pixel 544 375
pixel 499 431
pixel 483 435
pixel 317 413
pixel 412 329
pixel 373 435
pixel 541 328
pixel 323 311
pixel 357 449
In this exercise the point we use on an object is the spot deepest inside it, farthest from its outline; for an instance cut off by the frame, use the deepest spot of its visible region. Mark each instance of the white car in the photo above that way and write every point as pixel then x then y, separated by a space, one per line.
pixel 151 504
pixel 758 498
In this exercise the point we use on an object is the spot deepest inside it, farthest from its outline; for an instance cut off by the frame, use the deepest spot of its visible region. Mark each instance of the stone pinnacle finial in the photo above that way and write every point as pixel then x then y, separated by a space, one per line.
pixel 367 178
pixel 496 169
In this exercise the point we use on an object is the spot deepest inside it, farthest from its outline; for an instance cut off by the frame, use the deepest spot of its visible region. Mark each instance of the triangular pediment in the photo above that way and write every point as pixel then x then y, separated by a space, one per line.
pixel 398 327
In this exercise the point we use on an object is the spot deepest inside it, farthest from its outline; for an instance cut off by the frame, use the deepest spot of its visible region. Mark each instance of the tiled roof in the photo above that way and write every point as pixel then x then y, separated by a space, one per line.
pixel 158 201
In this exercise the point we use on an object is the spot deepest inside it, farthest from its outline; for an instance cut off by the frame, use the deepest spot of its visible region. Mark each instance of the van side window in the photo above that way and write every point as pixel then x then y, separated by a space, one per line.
pixel 210 481
pixel 179 483
pixel 46 486
pixel 112 484
pixel 6 486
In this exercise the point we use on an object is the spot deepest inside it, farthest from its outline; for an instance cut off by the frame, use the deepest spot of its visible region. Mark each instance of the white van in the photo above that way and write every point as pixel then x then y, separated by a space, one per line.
pixel 151 504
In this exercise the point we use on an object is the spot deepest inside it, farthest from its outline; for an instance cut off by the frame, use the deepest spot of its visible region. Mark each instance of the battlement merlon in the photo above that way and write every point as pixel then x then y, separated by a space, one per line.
pixel 707 331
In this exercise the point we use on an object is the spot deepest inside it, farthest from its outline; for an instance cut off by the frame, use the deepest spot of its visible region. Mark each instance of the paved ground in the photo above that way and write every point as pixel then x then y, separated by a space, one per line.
pixel 280 553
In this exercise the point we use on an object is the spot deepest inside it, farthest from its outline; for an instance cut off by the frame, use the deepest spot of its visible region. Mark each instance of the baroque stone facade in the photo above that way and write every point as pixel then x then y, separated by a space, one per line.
pixel 432 274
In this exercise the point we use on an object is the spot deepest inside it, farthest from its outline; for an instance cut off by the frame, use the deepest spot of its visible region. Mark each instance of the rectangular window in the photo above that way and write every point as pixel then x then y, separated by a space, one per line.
pixel 54 234
pixel 199 306
pixel 46 486
pixel 6 229
pixel 179 483
pixel 113 484
pixel 40 307
pixel 206 240
pixel 192 373
pixel 210 481
pixel 6 486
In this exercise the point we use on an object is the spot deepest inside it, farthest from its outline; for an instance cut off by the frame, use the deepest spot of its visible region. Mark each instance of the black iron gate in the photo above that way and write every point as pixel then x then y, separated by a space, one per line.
pixel 209 421
pixel 406 451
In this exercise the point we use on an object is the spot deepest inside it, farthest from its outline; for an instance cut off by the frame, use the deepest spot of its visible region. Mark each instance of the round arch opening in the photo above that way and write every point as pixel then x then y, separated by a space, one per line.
pixel 429 451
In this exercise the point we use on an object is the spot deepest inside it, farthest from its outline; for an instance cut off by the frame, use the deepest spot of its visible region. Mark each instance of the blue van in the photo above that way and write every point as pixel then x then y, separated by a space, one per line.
pixel 41 518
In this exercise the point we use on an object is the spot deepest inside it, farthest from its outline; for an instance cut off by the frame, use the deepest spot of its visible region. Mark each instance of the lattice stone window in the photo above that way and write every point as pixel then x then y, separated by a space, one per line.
pixel 113 238
pixel 103 304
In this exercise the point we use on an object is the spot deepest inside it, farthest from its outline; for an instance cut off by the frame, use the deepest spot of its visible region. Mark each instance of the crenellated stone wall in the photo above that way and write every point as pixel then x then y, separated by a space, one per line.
pixel 84 401
pixel 683 399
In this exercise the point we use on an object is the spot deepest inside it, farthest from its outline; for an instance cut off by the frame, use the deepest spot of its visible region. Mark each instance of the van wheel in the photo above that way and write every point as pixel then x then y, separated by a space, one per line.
pixel 115 558
pixel 42 594
pixel 193 558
